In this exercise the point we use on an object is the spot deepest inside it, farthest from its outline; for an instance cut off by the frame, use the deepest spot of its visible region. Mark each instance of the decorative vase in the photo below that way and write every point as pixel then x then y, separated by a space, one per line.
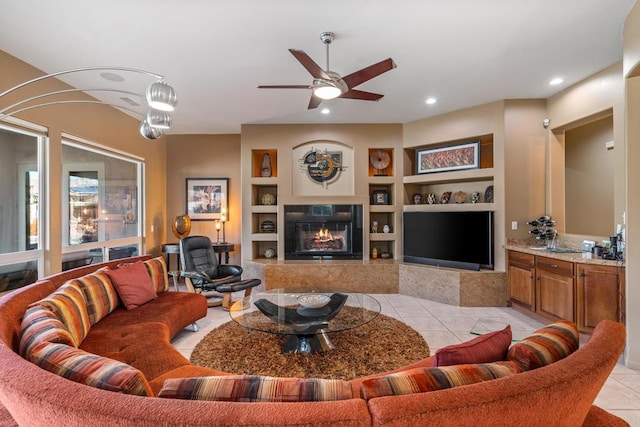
pixel 444 199
pixel 265 167
pixel 181 226
pixel 417 199
pixel 431 198
pixel 386 229
pixel 269 253
pixel 488 194
pixel 460 197
pixel 267 226
pixel 475 197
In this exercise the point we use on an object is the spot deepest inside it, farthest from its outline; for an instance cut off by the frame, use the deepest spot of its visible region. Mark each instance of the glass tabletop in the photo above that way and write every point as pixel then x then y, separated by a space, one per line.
pixel 287 312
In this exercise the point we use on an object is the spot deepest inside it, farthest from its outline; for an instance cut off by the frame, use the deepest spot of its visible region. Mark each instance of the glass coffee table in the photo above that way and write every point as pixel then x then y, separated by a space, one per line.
pixel 306 317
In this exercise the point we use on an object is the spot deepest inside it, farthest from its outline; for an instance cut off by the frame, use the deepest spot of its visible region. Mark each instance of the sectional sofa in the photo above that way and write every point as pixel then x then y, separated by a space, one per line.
pixel 111 363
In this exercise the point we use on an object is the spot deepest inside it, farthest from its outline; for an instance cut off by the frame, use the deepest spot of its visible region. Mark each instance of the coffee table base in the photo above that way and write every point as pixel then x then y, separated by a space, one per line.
pixel 308 343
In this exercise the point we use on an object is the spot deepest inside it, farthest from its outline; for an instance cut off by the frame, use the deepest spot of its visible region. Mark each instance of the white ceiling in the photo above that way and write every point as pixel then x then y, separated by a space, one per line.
pixel 215 52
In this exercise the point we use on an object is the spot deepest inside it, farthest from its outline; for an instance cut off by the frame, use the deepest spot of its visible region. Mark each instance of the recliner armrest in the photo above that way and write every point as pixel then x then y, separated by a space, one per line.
pixel 229 270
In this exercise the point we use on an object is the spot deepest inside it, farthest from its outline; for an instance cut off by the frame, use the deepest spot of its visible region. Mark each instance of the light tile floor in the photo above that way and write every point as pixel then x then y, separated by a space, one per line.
pixel 442 324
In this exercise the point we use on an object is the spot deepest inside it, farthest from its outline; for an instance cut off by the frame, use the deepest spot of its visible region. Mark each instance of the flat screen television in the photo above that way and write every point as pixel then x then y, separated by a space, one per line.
pixel 449 239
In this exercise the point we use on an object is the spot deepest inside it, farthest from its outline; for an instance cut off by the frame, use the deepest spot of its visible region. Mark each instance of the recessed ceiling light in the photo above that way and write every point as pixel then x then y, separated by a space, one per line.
pixel 556 81
pixel 325 111
pixel 112 77
pixel 431 101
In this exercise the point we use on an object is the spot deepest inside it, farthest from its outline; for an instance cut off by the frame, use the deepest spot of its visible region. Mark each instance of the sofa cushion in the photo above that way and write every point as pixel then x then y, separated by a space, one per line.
pixel 100 294
pixel 70 306
pixel 90 369
pixel 39 325
pixel 254 388
pixel 133 284
pixel 421 380
pixel 546 345
pixel 487 348
pixel 157 269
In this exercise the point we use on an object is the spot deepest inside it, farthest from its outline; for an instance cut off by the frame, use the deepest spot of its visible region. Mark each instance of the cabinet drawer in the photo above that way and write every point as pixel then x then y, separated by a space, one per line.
pixel 521 258
pixel 564 268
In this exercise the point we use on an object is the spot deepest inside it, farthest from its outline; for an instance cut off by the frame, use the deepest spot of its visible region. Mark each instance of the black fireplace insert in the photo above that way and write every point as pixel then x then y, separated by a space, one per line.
pixel 323 231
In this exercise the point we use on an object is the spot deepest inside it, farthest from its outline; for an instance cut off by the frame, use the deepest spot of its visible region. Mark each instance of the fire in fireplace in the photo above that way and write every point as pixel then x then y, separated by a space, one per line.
pixel 323 231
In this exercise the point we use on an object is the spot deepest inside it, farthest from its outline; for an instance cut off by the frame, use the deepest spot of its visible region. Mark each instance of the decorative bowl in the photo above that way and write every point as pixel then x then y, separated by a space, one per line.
pixel 313 300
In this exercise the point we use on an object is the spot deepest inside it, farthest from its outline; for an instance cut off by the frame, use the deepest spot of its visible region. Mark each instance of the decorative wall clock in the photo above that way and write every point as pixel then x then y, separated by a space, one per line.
pixel 323 167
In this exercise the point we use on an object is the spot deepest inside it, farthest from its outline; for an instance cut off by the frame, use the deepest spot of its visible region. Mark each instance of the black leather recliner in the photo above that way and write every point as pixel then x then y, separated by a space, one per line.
pixel 203 274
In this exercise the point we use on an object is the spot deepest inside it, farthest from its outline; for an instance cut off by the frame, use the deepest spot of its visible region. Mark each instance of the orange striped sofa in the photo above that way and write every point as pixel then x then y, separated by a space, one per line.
pixel 113 366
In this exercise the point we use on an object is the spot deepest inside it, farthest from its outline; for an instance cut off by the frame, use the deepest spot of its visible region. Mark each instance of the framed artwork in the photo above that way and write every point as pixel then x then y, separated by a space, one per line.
pixel 380 197
pixel 207 199
pixel 449 158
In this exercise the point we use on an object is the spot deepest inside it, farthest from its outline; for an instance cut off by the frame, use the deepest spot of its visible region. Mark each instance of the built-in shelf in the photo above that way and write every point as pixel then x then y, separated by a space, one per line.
pixel 382 237
pixel 447 177
pixel 264 209
pixel 450 207
pixel 382 208
pixel 264 237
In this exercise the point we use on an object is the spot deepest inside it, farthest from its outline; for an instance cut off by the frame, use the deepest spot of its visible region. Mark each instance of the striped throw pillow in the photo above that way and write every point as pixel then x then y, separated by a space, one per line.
pixel 419 380
pixel 157 269
pixel 70 306
pixel 99 293
pixel 546 345
pixel 39 325
pixel 90 369
pixel 255 388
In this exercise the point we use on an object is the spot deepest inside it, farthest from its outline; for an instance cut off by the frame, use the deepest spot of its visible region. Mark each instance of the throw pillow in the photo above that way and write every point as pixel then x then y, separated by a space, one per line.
pixel 70 306
pixel 487 348
pixel 419 380
pixel 100 294
pixel 39 325
pixel 254 388
pixel 157 269
pixel 133 284
pixel 90 369
pixel 546 345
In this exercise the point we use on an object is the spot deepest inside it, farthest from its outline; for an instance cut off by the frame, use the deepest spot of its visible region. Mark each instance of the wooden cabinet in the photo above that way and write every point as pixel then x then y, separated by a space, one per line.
pixel 599 295
pixel 554 289
pixel 551 289
pixel 521 279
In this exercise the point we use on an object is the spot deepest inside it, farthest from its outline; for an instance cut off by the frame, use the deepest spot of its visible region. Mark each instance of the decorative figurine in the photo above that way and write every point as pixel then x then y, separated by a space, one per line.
pixel 374 227
pixel 418 199
pixel 431 198
pixel 444 199
pixel 386 228
pixel 460 197
pixel 475 197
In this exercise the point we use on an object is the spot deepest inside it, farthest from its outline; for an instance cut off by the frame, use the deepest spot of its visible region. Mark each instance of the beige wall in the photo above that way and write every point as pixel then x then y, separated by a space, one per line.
pixel 204 156
pixel 100 124
pixel 597 96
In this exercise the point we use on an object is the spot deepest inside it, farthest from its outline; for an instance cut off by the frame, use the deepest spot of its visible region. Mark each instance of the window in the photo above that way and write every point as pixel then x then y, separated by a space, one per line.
pixel 21 213
pixel 101 204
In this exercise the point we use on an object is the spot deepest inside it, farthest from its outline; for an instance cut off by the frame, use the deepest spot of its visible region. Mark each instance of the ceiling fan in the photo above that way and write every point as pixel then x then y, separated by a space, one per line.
pixel 328 84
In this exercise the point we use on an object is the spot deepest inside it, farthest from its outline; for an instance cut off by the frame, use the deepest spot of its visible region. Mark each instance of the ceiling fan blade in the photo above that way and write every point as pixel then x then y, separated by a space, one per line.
pixel 314 69
pixel 360 94
pixel 365 74
pixel 314 102
pixel 284 87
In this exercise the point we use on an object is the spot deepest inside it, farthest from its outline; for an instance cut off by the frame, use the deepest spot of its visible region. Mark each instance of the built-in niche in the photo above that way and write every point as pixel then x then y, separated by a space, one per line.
pixel 582 180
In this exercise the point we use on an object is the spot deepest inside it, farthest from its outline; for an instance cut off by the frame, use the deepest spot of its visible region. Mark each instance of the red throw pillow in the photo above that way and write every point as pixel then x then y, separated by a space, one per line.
pixel 133 284
pixel 486 348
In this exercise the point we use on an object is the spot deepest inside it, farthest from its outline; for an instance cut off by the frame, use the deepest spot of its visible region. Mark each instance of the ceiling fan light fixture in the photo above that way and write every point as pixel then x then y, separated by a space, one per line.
pixel 327 91
pixel 161 96
pixel 159 119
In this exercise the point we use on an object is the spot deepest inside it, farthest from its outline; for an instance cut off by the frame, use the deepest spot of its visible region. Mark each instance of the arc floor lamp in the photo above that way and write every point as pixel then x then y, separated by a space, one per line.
pixel 160 96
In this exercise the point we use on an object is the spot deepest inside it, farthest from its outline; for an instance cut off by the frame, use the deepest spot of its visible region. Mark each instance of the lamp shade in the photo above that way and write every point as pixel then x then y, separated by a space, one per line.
pixel 148 131
pixel 161 96
pixel 159 119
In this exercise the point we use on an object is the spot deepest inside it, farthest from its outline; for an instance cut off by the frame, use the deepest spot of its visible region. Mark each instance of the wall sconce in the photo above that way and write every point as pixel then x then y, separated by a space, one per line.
pixel 160 98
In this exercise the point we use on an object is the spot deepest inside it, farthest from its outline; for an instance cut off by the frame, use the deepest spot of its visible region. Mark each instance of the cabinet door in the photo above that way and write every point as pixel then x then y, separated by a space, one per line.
pixel 554 294
pixel 521 281
pixel 599 295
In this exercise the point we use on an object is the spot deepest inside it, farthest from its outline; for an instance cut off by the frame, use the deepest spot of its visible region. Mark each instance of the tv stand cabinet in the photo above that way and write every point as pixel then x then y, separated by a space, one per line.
pixel 463 288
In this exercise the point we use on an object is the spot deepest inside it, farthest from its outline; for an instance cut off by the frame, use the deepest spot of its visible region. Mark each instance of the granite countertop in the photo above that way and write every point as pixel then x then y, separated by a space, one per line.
pixel 581 257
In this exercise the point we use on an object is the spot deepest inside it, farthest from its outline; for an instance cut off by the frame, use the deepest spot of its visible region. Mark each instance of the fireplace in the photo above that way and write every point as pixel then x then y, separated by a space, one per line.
pixel 323 231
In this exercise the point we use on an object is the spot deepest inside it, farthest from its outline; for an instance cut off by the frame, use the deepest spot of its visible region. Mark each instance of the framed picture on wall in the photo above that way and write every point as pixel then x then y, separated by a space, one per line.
pixel 449 158
pixel 207 199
